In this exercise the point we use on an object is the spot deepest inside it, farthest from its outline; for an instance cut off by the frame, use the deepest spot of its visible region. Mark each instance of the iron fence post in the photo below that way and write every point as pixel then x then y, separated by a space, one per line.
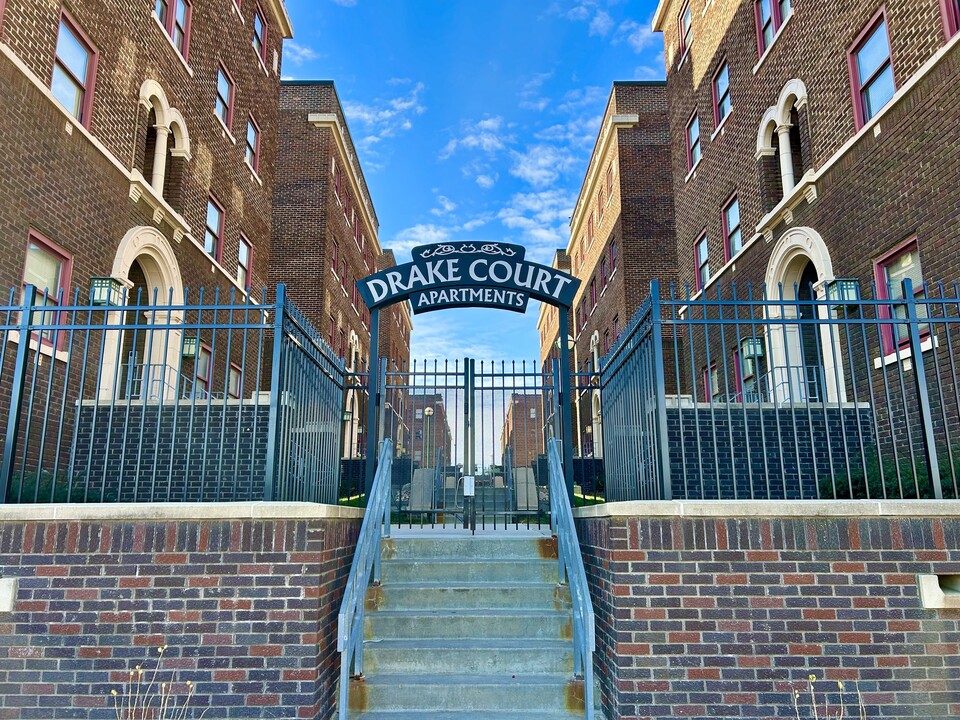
pixel 16 393
pixel 565 391
pixel 923 398
pixel 660 390
pixel 276 393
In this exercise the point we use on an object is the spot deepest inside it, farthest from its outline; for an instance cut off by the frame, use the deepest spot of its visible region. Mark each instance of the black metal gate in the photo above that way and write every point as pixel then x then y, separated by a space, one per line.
pixel 470 440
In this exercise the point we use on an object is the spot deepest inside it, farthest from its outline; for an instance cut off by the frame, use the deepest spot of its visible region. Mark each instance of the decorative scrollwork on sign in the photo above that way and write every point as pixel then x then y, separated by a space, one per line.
pixel 444 249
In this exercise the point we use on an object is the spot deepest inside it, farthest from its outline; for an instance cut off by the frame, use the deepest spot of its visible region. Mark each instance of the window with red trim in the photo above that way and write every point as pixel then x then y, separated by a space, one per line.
pixel 337 181
pixel 600 204
pixel 343 343
pixel 175 16
pixel 336 256
pixel 48 268
pixel 901 263
pixel 260 28
pixel 593 293
pixel 343 273
pixel 685 26
pixel 253 144
pixel 701 256
pixel 613 257
pixel 610 180
pixel 223 104
pixel 204 363
pixel 721 94
pixel 950 9
pixel 333 330
pixel 74 71
pixel 213 234
pixel 871 70
pixel 357 234
pixel 770 16
pixel 693 142
pixel 590 230
pixel 732 232
pixel 244 258
pixel 604 277
pixel 234 381
pixel 711 384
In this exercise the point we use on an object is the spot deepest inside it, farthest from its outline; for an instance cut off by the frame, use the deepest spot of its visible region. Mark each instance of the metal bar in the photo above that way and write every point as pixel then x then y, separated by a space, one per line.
pixel 16 393
pixel 923 397
pixel 276 391
pixel 373 399
pixel 565 396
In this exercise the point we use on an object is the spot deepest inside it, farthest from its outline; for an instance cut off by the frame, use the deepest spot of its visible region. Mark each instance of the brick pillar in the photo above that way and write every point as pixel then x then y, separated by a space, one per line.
pixel 140 141
pixel 173 182
pixel 806 148
pixel 771 187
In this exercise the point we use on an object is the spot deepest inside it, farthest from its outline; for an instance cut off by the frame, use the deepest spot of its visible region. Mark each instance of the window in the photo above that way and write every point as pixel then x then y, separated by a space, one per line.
pixel 174 16
pixel 693 142
pixel 343 273
pixel 616 326
pixel 590 230
pixel 702 259
pixel 333 330
pixel 202 381
pixel 337 181
pixel 951 17
pixel 613 258
pixel 224 102
pixel 213 235
pixel 732 235
pixel 900 264
pixel 603 273
pixel 771 15
pixel 47 268
pixel 721 94
pixel 260 34
pixel 600 205
pixel 610 178
pixel 685 22
pixel 74 69
pixel 593 293
pixel 343 343
pixel 871 71
pixel 418 413
pixel 253 145
pixel 357 234
pixel 335 260
pixel 243 263
pixel 711 384
pixel 234 384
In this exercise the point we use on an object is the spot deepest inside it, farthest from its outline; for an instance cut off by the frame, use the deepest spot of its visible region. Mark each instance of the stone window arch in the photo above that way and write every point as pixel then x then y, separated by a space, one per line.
pixel 784 153
pixel 162 144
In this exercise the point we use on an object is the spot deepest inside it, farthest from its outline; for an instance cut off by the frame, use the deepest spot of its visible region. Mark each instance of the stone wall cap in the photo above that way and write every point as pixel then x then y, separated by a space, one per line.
pixel 772 508
pixel 106 512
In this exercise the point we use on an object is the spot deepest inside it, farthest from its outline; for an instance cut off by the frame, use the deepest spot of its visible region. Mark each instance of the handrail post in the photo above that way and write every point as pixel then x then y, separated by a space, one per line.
pixel 660 390
pixel 273 431
pixel 923 398
pixel 566 401
pixel 16 392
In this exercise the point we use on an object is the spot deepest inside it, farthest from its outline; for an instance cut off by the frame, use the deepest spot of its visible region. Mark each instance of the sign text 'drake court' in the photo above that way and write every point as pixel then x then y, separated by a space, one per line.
pixel 451 275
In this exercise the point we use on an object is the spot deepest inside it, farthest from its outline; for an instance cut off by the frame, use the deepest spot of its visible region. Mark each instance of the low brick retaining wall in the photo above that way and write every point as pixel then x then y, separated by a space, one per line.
pixel 722 609
pixel 245 596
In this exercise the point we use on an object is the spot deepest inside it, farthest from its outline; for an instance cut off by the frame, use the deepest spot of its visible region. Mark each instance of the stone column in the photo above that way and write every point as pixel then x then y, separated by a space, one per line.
pixel 786 159
pixel 160 159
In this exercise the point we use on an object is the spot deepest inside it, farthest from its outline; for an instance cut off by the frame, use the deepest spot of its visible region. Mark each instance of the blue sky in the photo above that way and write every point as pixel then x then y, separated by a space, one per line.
pixel 474 120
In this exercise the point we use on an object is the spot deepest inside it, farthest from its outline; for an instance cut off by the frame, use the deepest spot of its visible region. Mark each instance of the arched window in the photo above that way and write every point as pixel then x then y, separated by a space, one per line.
pixel 163 144
pixel 783 145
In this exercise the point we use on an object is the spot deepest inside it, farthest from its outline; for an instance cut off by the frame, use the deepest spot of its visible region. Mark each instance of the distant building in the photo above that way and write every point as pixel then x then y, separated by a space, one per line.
pixel 621 237
pixel 522 433
pixel 429 430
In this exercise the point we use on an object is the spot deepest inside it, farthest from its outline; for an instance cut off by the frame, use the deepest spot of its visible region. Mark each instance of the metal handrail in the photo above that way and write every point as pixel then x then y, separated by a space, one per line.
pixel 572 570
pixel 366 563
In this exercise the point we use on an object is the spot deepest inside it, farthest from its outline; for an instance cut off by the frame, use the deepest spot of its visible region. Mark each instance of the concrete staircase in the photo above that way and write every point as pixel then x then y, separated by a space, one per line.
pixel 468 628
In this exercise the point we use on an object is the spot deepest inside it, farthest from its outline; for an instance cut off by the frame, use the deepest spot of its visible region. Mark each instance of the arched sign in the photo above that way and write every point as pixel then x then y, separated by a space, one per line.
pixel 468 274
pixel 457 275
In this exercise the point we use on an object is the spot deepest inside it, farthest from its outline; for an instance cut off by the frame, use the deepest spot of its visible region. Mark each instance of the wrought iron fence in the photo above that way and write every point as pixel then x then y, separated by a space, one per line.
pixel 139 398
pixel 799 392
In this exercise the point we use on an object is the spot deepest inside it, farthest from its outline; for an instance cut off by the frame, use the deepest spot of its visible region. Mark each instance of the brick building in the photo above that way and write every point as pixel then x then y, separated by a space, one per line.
pixel 621 237
pixel 429 429
pixel 833 173
pixel 522 431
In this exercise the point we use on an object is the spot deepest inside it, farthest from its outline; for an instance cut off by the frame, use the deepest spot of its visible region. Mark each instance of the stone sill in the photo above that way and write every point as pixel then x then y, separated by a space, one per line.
pixel 177 511
pixel 772 509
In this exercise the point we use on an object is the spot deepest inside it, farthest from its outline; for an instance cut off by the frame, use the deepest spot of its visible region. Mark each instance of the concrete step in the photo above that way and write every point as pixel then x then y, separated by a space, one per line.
pixel 480 623
pixel 494 547
pixel 472 657
pixel 463 596
pixel 535 694
pixel 468 570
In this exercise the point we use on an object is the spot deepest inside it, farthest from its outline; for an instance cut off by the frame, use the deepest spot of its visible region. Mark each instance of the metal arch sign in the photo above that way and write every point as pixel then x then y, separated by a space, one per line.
pixel 455 275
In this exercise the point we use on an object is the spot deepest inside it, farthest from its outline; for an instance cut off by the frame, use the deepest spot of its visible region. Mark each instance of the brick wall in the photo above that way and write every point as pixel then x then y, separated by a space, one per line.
pixel 245 596
pixel 723 609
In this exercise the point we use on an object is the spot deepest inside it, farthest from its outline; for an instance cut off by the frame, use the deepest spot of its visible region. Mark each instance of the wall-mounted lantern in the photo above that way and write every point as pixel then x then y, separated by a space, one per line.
pixel 105 291
pixel 189 346
pixel 751 347
pixel 843 291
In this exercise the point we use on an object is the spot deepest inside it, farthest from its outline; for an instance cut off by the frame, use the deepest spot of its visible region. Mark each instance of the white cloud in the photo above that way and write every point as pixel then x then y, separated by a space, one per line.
pixel 346 3
pixel 542 218
pixel 384 119
pixel 447 206
pixel 639 36
pixel 298 54
pixel 487 181
pixel 530 97
pixel 601 24
pixel 486 135
pixel 541 164
pixel 421 234
pixel 592 98
pixel 581 131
